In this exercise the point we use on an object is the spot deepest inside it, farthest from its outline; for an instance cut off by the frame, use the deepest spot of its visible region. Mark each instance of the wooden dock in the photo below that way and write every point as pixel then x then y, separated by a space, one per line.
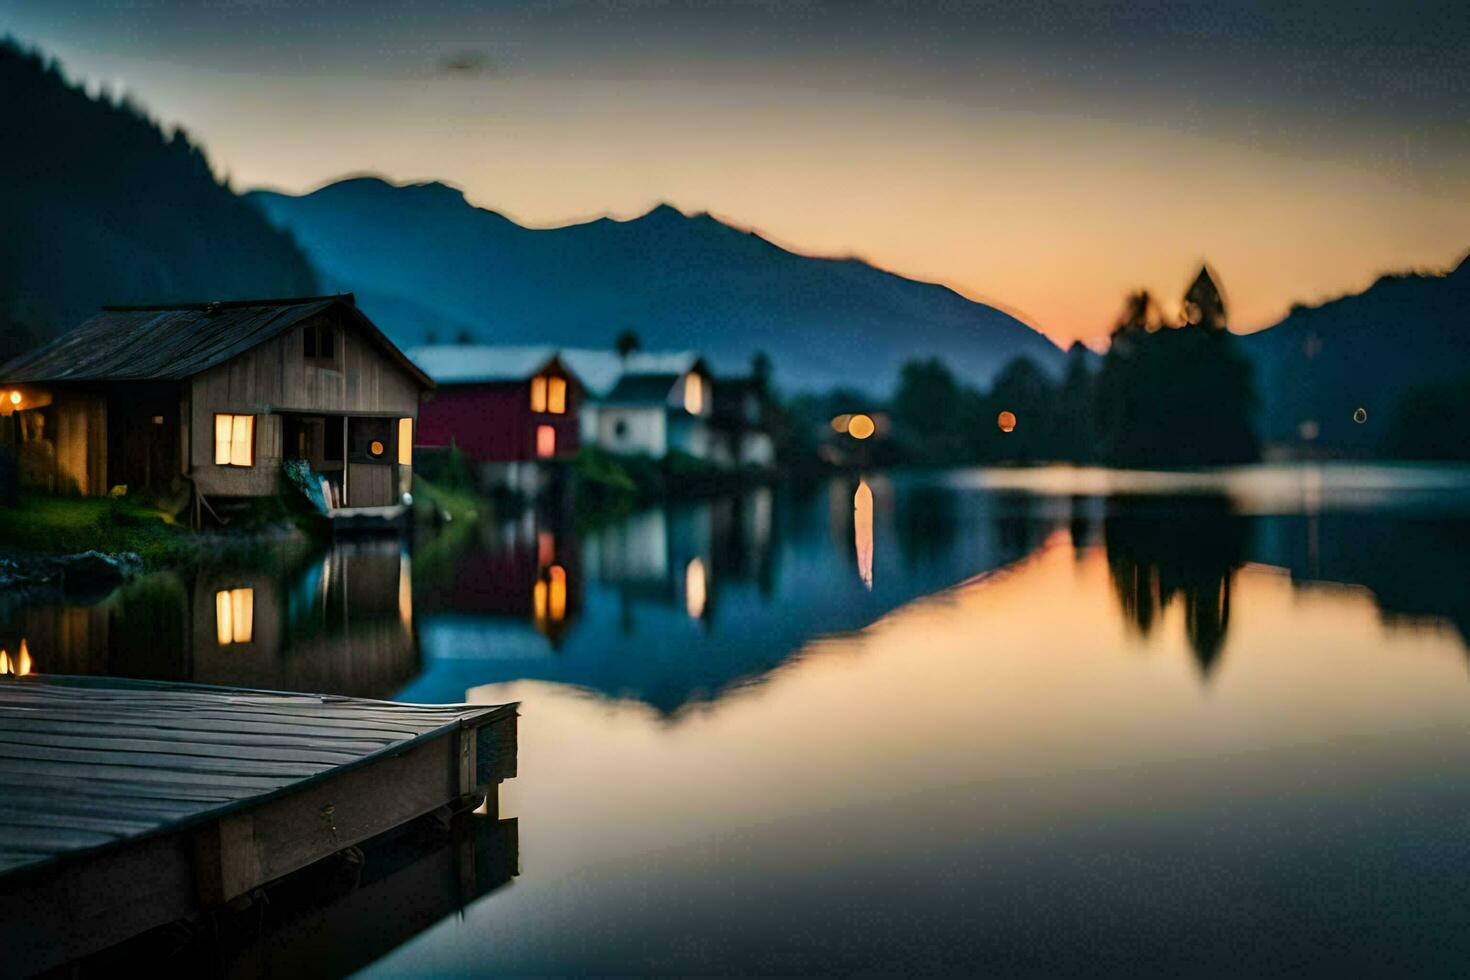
pixel 125 805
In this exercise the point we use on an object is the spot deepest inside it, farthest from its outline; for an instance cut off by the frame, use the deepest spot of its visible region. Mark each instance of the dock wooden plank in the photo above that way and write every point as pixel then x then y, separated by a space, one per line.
pixel 125 804
pixel 177 751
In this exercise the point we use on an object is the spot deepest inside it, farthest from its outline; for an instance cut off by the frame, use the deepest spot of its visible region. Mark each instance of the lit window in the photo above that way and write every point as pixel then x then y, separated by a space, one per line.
pixel 693 394
pixel 538 394
pixel 405 442
pixel 545 441
pixel 556 396
pixel 234 615
pixel 234 440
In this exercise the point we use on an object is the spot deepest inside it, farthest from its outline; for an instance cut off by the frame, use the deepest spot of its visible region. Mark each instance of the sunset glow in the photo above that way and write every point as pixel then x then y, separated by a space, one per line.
pixel 953 147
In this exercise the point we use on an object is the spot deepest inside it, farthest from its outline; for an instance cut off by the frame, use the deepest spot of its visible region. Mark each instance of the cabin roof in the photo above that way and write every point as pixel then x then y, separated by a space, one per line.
pixel 481 363
pixel 177 341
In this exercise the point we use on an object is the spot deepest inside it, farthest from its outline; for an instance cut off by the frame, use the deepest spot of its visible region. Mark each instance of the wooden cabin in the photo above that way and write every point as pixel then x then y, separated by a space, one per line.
pixel 508 409
pixel 196 402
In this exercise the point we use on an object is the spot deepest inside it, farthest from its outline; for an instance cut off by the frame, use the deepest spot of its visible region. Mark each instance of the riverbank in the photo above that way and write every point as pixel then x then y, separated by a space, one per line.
pixel 91 545
pixel 50 526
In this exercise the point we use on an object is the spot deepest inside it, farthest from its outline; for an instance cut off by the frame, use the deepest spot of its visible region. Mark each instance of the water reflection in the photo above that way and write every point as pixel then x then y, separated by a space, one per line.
pixel 1046 798
pixel 1275 663
pixel 685 605
pixel 862 531
pixel 339 623
pixel 340 915
pixel 1166 548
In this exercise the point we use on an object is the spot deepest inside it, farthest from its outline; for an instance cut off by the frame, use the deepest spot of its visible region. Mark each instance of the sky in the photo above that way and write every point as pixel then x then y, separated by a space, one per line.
pixel 1044 157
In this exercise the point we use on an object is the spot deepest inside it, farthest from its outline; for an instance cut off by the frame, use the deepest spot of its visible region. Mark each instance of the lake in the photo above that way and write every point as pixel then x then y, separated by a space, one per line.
pixel 1058 720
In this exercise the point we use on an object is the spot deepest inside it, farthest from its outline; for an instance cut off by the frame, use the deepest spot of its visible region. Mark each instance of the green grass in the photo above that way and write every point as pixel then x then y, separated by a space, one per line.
pixel 460 503
pixel 66 525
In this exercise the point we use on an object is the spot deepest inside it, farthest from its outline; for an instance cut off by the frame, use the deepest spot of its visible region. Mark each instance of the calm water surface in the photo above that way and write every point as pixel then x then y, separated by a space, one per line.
pixel 1057 720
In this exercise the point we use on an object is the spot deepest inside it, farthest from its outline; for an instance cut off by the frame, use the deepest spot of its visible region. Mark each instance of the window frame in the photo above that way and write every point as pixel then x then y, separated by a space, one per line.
pixel 317 336
pixel 229 454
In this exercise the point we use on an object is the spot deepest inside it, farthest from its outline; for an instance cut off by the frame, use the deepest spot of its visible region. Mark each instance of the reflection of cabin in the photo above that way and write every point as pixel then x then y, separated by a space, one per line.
pixel 206 400
pixel 658 405
pixel 506 408
pixel 341 623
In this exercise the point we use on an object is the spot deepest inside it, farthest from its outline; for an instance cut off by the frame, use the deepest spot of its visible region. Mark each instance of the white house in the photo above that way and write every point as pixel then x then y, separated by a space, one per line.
pixel 659 403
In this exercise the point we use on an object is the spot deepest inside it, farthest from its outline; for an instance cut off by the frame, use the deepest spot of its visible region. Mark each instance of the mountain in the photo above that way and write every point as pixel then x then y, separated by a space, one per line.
pixel 99 205
pixel 423 260
pixel 1368 350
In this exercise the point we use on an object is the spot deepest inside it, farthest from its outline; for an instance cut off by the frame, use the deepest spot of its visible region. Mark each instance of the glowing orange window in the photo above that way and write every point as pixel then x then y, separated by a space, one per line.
pixel 545 441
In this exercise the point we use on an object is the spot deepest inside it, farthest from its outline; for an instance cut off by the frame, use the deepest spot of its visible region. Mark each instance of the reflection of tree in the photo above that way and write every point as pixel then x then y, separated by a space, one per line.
pixel 1160 548
pixel 1018 531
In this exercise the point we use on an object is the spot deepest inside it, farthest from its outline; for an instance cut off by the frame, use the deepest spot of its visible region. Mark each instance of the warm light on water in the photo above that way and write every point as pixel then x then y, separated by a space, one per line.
pixel 695 594
pixel 862 531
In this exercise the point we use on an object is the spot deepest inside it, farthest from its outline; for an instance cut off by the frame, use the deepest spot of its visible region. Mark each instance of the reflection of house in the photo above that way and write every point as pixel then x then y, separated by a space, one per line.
pixel 738 433
pixel 207 400
pixel 661 555
pixel 521 569
pixel 507 408
pixel 658 405
pixel 341 623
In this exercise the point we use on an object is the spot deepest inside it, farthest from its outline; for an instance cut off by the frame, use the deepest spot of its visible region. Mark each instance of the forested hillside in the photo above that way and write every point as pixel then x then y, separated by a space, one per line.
pixel 99 204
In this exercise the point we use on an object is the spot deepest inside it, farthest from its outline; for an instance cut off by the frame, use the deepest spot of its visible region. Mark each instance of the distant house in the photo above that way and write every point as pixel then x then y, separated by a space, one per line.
pixel 739 435
pixel 508 409
pixel 660 403
pixel 200 401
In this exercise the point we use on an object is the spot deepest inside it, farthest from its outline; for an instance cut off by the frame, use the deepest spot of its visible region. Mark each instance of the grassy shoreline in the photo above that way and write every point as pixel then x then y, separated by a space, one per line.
pixel 40 526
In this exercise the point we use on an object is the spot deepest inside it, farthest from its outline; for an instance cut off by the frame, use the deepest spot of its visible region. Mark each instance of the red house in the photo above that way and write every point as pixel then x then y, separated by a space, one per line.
pixel 508 409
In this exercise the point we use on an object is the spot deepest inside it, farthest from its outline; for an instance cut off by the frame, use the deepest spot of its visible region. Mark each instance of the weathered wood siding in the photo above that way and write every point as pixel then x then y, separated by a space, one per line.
pixel 276 377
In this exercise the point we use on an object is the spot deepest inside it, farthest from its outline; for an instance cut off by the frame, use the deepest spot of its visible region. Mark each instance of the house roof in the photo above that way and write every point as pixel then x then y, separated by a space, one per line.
pixel 601 370
pixel 598 371
pixel 641 389
pixel 170 343
pixel 481 363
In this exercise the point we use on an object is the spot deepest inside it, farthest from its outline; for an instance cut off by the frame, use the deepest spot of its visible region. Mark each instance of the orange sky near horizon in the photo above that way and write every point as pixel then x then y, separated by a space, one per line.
pixel 979 201
pixel 1047 169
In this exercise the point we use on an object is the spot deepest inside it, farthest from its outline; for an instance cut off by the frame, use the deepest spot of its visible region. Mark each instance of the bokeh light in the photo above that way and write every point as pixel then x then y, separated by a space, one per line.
pixel 1360 415
pixel 860 427
pixel 1006 421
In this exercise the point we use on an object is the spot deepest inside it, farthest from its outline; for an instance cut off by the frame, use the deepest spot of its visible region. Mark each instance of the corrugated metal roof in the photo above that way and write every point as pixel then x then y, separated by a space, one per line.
pixel 170 343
